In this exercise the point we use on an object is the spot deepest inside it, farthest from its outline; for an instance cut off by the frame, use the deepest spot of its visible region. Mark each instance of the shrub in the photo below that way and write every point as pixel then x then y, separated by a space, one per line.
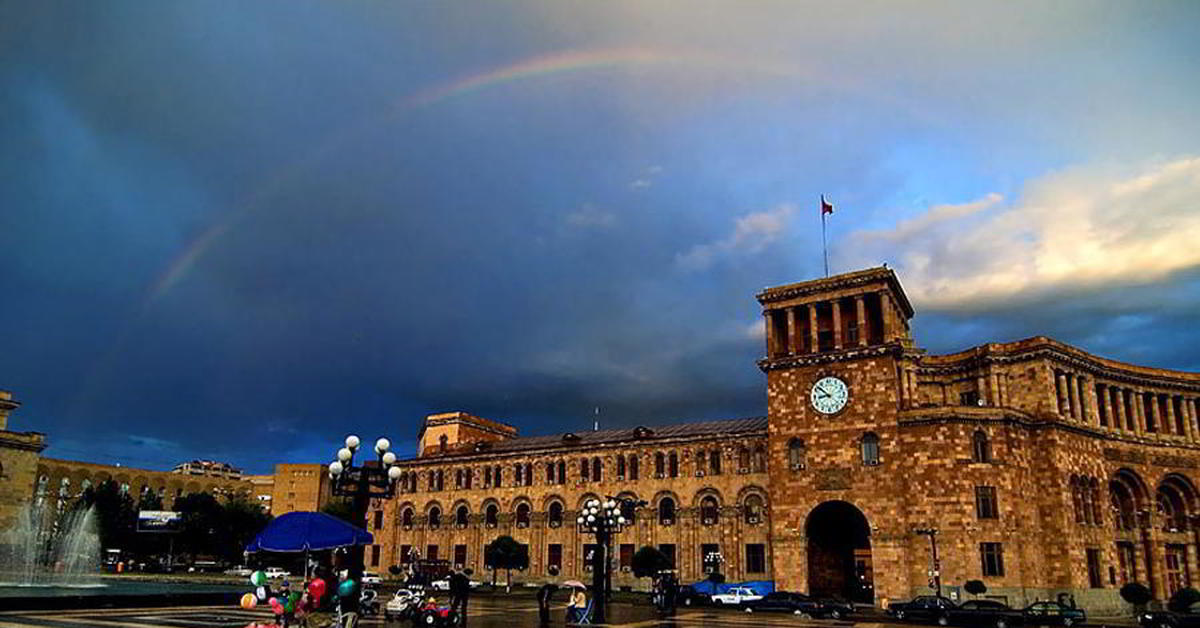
pixel 1183 600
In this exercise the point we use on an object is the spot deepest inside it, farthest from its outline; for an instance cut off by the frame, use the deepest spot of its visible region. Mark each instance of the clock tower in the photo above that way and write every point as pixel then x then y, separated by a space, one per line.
pixel 839 362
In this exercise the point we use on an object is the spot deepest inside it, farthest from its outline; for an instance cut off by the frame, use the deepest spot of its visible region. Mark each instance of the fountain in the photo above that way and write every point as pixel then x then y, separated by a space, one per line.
pixel 62 551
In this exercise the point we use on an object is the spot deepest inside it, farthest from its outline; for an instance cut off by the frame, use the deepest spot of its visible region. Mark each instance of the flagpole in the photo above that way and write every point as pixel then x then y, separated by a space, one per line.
pixel 824 244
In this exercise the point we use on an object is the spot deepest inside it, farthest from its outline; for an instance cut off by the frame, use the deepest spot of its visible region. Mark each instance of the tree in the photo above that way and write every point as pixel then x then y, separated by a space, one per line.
pixel 975 587
pixel 342 509
pixel 115 516
pixel 1183 600
pixel 648 561
pixel 506 553
pixel 243 520
pixel 1137 594
pixel 716 577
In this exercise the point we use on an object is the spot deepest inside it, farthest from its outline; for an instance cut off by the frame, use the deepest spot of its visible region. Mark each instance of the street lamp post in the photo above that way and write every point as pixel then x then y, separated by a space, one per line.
pixel 602 519
pixel 363 482
pixel 936 570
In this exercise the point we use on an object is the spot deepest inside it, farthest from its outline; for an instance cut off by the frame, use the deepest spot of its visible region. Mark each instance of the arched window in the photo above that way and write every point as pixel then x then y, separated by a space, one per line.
pixel 585 470
pixel 709 510
pixel 441 480
pixel 562 472
pixel 468 474
pixel 460 517
pixel 981 449
pixel 523 512
pixel 498 477
pixel 628 509
pixel 870 449
pixel 753 510
pixel 714 462
pixel 673 465
pixel 701 462
pixel 1123 505
pixel 555 514
pixel 797 453
pixel 759 464
pixel 406 518
pixel 491 516
pixel 442 441
pixel 458 478
pixel 633 466
pixel 743 459
pixel 597 470
pixel 660 465
pixel 550 473
pixel 666 511
pixel 435 517
pixel 621 467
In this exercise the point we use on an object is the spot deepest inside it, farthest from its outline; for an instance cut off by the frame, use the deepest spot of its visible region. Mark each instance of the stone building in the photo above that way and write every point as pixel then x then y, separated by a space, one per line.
pixel 299 487
pixel 19 453
pixel 1035 467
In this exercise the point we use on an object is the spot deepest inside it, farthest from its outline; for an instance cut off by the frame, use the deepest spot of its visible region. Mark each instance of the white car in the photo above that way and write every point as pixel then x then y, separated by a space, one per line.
pixel 276 572
pixel 736 596
pixel 444 584
pixel 240 570
pixel 370 577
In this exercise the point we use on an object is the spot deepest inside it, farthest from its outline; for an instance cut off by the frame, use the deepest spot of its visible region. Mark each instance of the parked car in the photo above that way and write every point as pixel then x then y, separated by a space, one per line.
pixel 687 595
pixel 1053 614
pixel 277 572
pixel 444 584
pixel 931 608
pixel 240 570
pixel 370 577
pixel 982 614
pixel 1168 619
pixel 736 596
pixel 800 604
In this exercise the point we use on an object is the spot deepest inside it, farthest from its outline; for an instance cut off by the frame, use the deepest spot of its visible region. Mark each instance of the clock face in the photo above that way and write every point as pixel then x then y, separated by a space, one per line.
pixel 829 395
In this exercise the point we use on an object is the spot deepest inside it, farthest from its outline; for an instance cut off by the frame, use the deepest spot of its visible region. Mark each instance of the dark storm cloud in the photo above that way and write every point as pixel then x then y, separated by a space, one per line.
pixel 226 231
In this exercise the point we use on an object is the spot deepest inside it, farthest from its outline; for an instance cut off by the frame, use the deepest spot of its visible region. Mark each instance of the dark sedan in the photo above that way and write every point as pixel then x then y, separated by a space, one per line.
pixel 686 595
pixel 982 614
pixel 931 608
pixel 1053 614
pixel 800 604
pixel 1168 619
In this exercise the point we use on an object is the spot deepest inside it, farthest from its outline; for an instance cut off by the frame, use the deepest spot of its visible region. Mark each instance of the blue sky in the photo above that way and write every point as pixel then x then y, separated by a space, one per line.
pixel 241 231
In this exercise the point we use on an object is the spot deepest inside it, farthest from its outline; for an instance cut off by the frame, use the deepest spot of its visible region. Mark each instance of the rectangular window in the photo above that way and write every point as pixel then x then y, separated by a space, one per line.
pixel 1095 578
pixel 589 555
pixel 378 519
pixel 985 503
pixel 1125 562
pixel 374 555
pixel 460 556
pixel 756 558
pixel 710 557
pixel 431 552
pixel 554 557
pixel 968 398
pixel 627 550
pixel 1177 571
pixel 668 550
pixel 991 557
pixel 405 554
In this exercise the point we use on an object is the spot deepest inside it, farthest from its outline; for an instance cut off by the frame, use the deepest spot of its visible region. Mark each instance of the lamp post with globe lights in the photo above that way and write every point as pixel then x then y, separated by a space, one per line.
pixel 361 483
pixel 603 519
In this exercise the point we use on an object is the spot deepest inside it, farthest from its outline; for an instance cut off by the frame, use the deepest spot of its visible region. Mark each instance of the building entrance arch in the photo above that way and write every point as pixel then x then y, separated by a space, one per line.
pixel 839 552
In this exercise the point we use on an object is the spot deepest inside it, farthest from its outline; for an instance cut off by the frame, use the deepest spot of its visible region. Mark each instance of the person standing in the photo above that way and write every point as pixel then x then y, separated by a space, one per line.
pixel 543 598
pixel 459 586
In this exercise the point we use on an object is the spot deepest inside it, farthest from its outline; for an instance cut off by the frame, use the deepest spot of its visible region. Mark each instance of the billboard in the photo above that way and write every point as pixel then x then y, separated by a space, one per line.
pixel 159 521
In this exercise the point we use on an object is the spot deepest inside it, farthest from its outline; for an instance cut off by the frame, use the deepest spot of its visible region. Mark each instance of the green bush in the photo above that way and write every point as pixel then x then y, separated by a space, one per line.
pixel 975 587
pixel 1183 600
pixel 1136 593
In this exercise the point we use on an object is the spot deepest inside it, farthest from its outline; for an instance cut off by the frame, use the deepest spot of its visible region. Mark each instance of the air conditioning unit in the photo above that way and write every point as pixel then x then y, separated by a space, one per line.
pixel 491 525
pixel 461 526
pixel 555 524
pixel 872 463
pixel 522 525
pixel 699 474
pixel 799 466
pixel 743 470
pixel 620 478
pixel 658 476
pixel 709 522
pixel 752 519
pixel 667 522
pixel 408 527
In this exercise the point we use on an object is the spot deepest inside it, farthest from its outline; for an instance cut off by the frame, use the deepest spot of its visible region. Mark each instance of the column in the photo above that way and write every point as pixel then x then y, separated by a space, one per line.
pixel 860 311
pixel 1103 407
pixel 1189 430
pixel 981 387
pixel 1139 411
pixel 1153 414
pixel 994 397
pixel 885 313
pixel 1093 408
pixel 1064 404
pixel 837 323
pixel 905 397
pixel 1170 416
pixel 1117 404
pixel 793 342
pixel 913 394
pixel 769 321
pixel 1073 390
pixel 1004 389
pixel 812 327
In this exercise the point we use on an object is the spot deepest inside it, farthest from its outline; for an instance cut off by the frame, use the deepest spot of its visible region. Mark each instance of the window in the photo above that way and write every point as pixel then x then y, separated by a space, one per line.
pixel 796 453
pixel 585 470
pixel 435 517
pixel 673 465
pixel 468 475
pixel 406 554
pixel 597 470
pixel 633 466
pixel 701 462
pixel 555 514
pixel 660 465
pixel 760 459
pixel 518 474
pixel 406 518
pixel 589 556
pixel 458 478
pixel 756 558
pixel 852 332
pixel 528 475
pixel 442 441
pixel 1125 558
pixel 460 517
pixel 460 556
pixel 968 398
pixel 743 459
pixel 491 516
pixel 666 511
pixel 753 508
pixel 374 555
pixel 1095 578
pixel 710 557
pixel 378 524
pixel 981 449
pixel 562 472
pixel 431 552
pixel 554 558
pixel 497 477
pixel 627 510
pixel 668 550
pixel 991 556
pixel 441 480
pixel 870 449
pixel 620 467
pixel 708 510
pixel 714 462
pixel 985 503
pixel 626 559
pixel 432 480
pixel 550 477
pixel 523 511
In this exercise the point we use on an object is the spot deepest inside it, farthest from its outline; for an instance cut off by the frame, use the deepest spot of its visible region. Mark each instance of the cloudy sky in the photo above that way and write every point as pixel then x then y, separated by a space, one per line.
pixel 242 230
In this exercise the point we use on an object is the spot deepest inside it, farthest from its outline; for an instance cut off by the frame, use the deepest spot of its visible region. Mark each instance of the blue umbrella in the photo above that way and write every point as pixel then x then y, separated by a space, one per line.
pixel 304 531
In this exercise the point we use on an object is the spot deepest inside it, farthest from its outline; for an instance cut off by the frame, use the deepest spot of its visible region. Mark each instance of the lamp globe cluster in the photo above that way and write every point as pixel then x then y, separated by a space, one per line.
pixel 345 458
pixel 600 514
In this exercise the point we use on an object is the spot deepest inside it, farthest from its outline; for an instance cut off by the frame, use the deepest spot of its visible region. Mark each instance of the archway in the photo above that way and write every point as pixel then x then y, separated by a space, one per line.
pixel 839 552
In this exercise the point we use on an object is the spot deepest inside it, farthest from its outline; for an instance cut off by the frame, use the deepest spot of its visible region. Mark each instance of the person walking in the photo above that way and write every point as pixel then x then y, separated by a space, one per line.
pixel 460 590
pixel 543 598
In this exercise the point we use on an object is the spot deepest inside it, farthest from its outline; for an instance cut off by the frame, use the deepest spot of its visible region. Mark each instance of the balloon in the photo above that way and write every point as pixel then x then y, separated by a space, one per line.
pixel 258 578
pixel 294 597
pixel 249 601
pixel 346 588
pixel 316 588
pixel 276 606
pixel 262 593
